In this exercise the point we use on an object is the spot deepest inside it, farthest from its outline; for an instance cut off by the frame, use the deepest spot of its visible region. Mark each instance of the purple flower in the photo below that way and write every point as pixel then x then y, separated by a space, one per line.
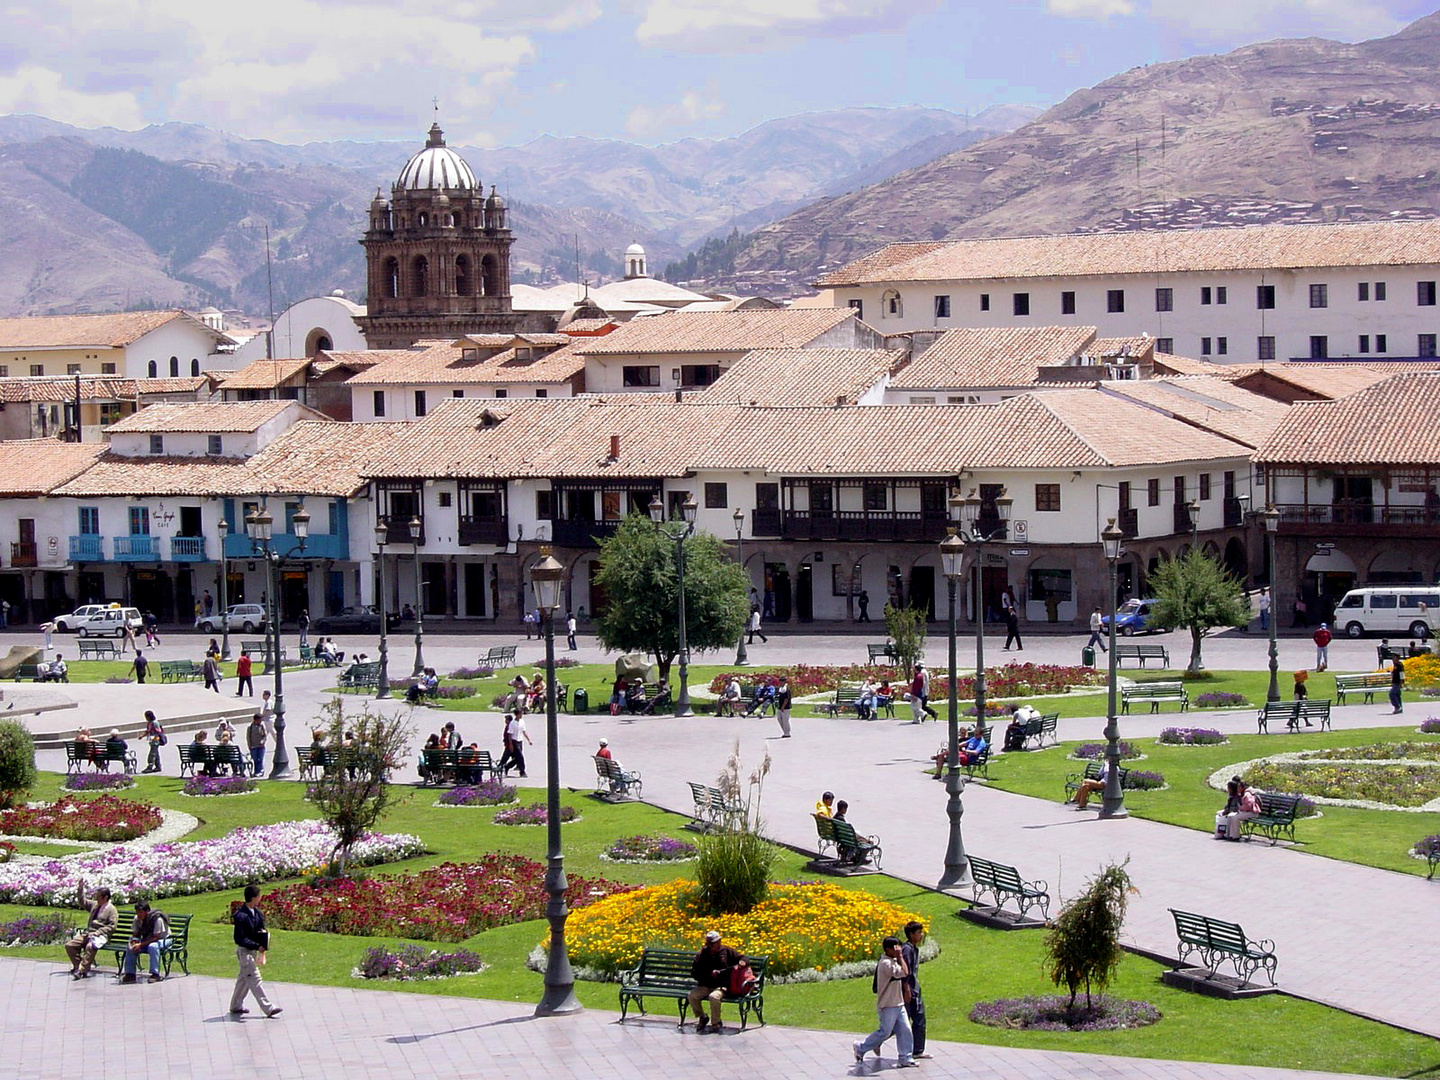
pixel 490 793
pixel 1094 751
pixel 200 784
pixel 651 849
pixel 533 814
pixel 413 962
pixel 1143 780
pixel 1052 1013
pixel 1191 736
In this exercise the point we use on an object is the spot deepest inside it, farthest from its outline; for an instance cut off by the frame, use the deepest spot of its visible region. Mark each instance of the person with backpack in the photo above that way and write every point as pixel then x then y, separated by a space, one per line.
pixel 891 994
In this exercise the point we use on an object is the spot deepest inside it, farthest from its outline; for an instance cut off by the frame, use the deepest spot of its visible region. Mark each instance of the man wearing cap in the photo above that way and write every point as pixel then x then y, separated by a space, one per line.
pixel 151 935
pixel 711 972
pixel 604 750
pixel 1321 637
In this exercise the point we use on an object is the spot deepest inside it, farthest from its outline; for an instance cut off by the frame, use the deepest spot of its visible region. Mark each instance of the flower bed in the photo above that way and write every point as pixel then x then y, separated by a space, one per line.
pixel 1191 736
pixel 258 853
pixel 484 671
pixel 1220 699
pixel 490 793
pixel 992 709
pixel 1423 670
pixel 1094 751
pixel 803 928
pixel 449 902
pixel 1430 691
pixel 411 962
pixel 1423 849
pixel 7 851
pixel 452 693
pixel 199 785
pixel 1007 681
pixel 1430 725
pixel 1143 780
pixel 1381 784
pixel 534 814
pixel 648 849
pixel 1393 751
pixel 34 930
pixel 103 818
pixel 97 781
pixel 1051 1012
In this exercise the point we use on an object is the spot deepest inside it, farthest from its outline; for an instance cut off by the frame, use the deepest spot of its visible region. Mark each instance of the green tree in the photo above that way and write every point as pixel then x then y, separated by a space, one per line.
pixel 354 792
pixel 638 577
pixel 1083 946
pixel 17 762
pixel 1196 593
pixel 906 627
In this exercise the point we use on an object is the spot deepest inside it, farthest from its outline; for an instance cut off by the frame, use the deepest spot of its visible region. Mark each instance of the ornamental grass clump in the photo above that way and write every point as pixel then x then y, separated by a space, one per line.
pixel 412 962
pixel 489 793
pixel 1186 736
pixel 1082 948
pixel 97 781
pixel 736 861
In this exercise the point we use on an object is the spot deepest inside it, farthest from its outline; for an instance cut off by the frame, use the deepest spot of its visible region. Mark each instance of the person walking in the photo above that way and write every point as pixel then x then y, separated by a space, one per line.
pixel 208 603
pixel 914 1003
pixel 1265 609
pixel 152 630
pixel 255 740
pixel 1097 626
pixel 4 614
pixel 304 626
pixel 140 666
pixel 920 695
pixel 518 736
pixel 890 993
pixel 252 942
pixel 211 670
pixel 784 699
pixel 127 638
pixel 1012 629
pixel 154 738
pixel 243 680
pixel 864 601
pixel 48 629
pixel 1397 681
pixel 570 631
pixel 1321 637
pixel 753 627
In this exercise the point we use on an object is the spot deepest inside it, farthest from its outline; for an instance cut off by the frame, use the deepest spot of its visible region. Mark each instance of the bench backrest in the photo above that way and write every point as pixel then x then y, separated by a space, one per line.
pixel 1191 928
pixel 179 926
pixel 995 874
pixel 670 968
pixel 1225 935
pixel 1273 804
pixel 1310 707
pixel 844 833
pixel 1092 771
pixel 227 754
pixel 190 754
pixel 700 793
pixel 847 695
pixel 825 827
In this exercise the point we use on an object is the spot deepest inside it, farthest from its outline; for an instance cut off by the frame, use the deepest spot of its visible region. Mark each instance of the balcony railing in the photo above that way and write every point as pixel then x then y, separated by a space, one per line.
pixel 581 534
pixel 317 546
pixel 397 530
pixel 1129 522
pixel 1234 513
pixel 1182 519
pixel 765 522
pixel 493 531
pixel 187 548
pixel 87 547
pixel 24 554
pixel 1356 514
pixel 138 547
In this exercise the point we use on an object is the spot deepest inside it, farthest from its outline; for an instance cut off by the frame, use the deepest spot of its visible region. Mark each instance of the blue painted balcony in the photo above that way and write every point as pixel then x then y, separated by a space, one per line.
pixel 141 547
pixel 317 546
pixel 87 547
pixel 187 549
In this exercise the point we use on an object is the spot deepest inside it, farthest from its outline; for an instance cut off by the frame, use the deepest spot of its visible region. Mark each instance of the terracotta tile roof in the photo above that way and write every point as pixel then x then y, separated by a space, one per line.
pixel 178 385
pixel 446 365
pixel 113 474
pixel 360 359
pixel 1320 381
pixel 582 327
pixel 265 374
pixel 1170 364
pixel 95 387
pixel 719 331
pixel 1139 348
pixel 111 331
pixel 209 416
pixel 571 438
pixel 992 356
pixel 1257 247
pixel 1213 404
pixel 315 458
pixel 39 466
pixel 799 377
pixel 1383 424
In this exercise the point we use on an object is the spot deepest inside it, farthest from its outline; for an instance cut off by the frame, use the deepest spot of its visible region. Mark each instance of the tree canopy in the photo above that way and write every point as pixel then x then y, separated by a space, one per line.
pixel 1196 593
pixel 638 578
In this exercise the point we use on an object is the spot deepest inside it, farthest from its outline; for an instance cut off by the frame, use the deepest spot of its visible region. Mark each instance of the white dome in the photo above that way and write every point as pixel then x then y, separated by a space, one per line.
pixel 436 167
pixel 635 249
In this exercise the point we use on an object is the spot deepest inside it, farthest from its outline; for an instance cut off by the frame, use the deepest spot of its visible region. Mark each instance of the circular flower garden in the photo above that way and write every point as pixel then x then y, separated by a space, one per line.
pixel 649 849
pixel 1401 776
pixel 201 786
pixel 534 814
pixel 1052 1012
pixel 97 781
pixel 104 818
pixel 489 793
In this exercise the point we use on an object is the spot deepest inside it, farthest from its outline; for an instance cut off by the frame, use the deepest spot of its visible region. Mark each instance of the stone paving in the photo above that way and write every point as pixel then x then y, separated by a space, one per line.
pixel 180 1029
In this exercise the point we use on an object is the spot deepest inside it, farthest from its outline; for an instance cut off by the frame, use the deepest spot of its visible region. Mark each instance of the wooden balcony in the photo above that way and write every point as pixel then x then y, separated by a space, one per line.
pixel 492 531
pixel 1357 518
pixel 24 554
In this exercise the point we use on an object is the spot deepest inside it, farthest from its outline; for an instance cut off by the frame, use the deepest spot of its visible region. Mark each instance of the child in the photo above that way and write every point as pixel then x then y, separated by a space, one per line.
pixel 1300 677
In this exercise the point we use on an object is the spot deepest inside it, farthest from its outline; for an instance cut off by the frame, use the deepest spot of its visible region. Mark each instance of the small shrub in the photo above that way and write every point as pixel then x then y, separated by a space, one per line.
pixel 17 763
pixel 1185 736
pixel 1221 699
pixel 34 930
pixel 483 671
pixel 560 662
pixel 1082 947
pixel 650 849
pixel 1143 780
pixel 1094 751
pixel 734 871
pixel 1430 725
pixel 534 814
pixel 452 693
pixel 200 785
pixel 413 962
pixel 490 793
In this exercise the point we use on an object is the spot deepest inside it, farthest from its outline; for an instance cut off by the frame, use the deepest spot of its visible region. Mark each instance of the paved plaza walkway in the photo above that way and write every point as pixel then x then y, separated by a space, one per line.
pixel 180 1029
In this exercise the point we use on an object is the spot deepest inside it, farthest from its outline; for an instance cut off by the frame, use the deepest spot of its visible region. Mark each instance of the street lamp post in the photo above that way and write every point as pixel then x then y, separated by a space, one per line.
pixel 415 526
pixel 224 591
pixel 1113 805
pixel 559 996
pixel 957 865
pixel 657 515
pixel 1271 517
pixel 742 658
pixel 261 529
pixel 382 684
pixel 976 535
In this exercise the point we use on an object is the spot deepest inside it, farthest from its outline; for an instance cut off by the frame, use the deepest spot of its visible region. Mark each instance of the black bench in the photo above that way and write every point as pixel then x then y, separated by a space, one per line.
pixel 1217 942
pixel 613 782
pixel 361 677
pixel 1276 818
pixel 877 653
pixel 1368 684
pixel 499 656
pixel 97 650
pixel 310 658
pixel 312 758
pixel 177 951
pixel 215 756
pixel 1155 693
pixel 26 673
pixel 1294 713
pixel 1001 881
pixel 848 847
pixel 711 806
pixel 1092 772
pixel 846 698
pixel 1143 653
pixel 439 766
pixel 180 671
pixel 1042 727
pixel 666 973
pixel 94 753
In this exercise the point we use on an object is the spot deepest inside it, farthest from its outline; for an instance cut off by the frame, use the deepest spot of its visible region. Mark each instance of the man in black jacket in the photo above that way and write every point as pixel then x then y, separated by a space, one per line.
pixel 711 972
pixel 251 942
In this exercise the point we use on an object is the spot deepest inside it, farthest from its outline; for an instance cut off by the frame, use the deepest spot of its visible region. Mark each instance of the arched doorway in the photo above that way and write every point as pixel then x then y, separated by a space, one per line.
pixel 1236 559
pixel 317 341
pixel 775 597
pixel 1397 566
pixel 1329 575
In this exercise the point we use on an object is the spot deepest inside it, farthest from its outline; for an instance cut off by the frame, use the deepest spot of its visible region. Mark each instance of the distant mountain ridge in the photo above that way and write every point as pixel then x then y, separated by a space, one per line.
pixel 176 213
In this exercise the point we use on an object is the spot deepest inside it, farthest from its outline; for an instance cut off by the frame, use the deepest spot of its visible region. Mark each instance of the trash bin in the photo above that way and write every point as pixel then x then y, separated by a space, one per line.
pixel 1087 656
pixel 580 699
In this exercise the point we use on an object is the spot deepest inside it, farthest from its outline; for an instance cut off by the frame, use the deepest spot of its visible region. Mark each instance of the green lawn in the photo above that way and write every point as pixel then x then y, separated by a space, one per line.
pixel 975 964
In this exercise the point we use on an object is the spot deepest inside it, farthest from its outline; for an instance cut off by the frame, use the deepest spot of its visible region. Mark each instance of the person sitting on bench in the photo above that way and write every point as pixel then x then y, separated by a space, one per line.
pixel 849 853
pixel 1020 715
pixel 730 699
pixel 1090 787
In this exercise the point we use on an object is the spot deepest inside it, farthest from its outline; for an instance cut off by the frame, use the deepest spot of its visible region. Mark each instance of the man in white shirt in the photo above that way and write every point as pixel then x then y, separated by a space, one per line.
pixel 516 736
pixel 570 631
pixel 890 974
pixel 1097 631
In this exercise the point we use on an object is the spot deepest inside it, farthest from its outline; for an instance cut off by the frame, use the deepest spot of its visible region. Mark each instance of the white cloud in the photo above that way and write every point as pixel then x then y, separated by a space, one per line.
pixel 654 121
pixel 729 25
pixel 1241 20
pixel 1090 9
pixel 32 89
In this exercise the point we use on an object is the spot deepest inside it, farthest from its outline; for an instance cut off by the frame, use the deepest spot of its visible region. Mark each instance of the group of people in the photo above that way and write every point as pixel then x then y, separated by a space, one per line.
pixel 631 695
pixel 857 854
pixel 514 738
pixel 257 736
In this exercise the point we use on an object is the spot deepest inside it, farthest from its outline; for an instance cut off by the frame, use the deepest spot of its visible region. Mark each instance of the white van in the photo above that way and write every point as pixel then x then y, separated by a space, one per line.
pixel 1407 610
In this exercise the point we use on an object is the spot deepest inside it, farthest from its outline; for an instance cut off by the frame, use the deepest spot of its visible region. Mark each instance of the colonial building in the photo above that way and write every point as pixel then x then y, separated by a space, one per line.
pixel 135 344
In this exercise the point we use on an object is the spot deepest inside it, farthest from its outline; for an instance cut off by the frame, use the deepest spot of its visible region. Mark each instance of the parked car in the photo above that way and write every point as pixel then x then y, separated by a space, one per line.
pixel 1388 609
pixel 245 617
pixel 354 620
pixel 99 619
pixel 1134 618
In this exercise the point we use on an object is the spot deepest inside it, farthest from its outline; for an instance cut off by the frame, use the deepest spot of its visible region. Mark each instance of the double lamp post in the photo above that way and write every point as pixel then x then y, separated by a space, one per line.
pixel 260 527
pixel 679 532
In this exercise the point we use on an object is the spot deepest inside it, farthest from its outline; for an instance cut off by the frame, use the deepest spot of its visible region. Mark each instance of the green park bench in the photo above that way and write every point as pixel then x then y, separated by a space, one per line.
pixel 1216 942
pixel 666 973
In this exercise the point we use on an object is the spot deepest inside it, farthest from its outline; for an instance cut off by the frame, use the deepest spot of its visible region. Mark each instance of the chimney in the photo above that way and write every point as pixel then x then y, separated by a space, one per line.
pixel 614 447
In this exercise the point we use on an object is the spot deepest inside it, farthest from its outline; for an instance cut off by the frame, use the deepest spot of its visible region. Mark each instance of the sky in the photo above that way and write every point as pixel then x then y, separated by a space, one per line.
pixel 648 71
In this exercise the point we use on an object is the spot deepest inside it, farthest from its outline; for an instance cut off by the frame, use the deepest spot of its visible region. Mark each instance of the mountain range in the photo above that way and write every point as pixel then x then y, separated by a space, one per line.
pixel 1293 130
pixel 178 214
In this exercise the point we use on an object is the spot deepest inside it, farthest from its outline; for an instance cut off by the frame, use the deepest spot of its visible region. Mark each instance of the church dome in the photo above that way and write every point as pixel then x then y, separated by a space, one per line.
pixel 494 202
pixel 436 167
pixel 634 249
